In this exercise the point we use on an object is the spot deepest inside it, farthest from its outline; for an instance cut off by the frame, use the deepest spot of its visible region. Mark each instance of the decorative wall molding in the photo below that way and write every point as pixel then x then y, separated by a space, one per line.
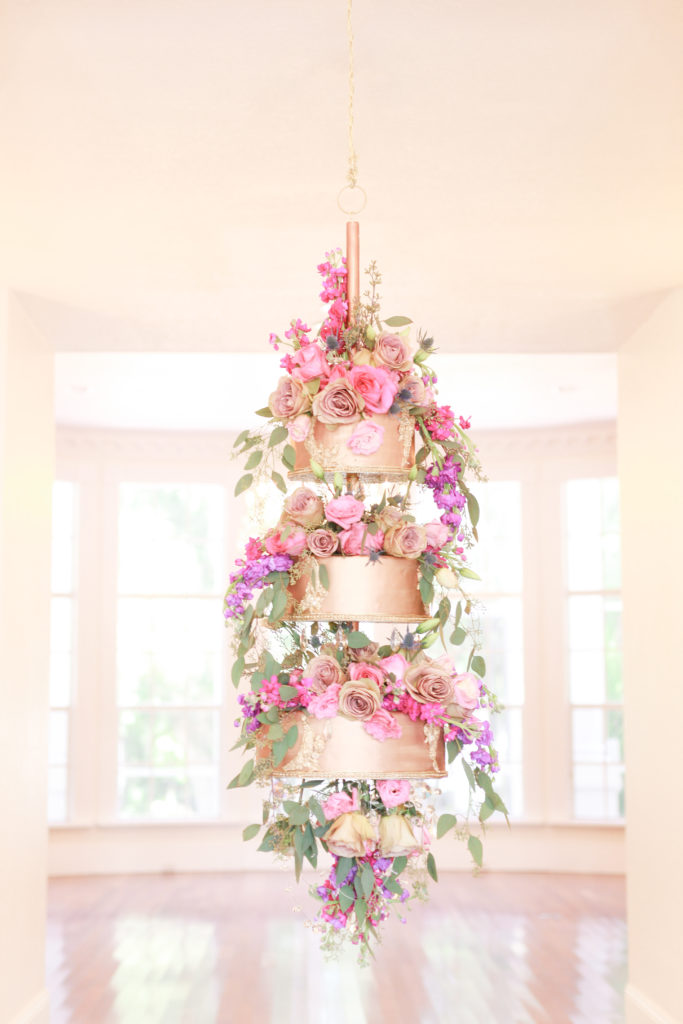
pixel 640 1009
pixel 549 442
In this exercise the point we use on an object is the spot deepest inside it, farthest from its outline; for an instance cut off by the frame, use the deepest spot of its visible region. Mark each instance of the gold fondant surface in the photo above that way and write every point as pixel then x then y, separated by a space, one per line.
pixel 382 591
pixel 329 447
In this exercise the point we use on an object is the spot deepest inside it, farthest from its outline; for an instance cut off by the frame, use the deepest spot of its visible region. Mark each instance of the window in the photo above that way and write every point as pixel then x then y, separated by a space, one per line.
pixel 593 576
pixel 62 636
pixel 169 642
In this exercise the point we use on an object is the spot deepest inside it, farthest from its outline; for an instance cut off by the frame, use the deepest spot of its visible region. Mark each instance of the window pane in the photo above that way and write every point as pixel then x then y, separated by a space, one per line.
pixel 498 560
pixel 595 649
pixel 501 626
pixel 58 744
pixel 589 792
pixel 56 794
pixel 168 793
pixel 170 538
pixel 592 512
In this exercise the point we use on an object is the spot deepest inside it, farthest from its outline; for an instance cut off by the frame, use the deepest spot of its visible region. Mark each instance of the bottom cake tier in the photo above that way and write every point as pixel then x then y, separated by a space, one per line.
pixel 340 748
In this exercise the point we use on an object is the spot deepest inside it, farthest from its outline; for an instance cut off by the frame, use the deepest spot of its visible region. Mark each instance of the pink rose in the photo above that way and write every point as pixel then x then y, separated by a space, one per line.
pixel 358 540
pixel 405 541
pixel 304 507
pixel 393 791
pixel 337 402
pixel 310 363
pixel 293 544
pixel 383 726
pixel 430 680
pixel 362 670
pixel 340 803
pixel 366 439
pixel 376 385
pixel 437 534
pixel 325 704
pixel 393 351
pixel 289 399
pixel 396 664
pixel 344 511
pixel 466 690
pixel 323 672
pixel 323 543
pixel 299 428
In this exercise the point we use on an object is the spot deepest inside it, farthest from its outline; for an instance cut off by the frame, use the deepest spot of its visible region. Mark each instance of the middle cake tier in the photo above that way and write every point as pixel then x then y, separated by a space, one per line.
pixel 385 589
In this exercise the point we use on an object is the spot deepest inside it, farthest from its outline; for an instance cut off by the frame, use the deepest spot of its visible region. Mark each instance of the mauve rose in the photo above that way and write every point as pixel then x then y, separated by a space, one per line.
pixel 323 671
pixel 393 791
pixel 363 653
pixel 289 399
pixel 304 507
pixel 406 540
pixel 396 664
pixel 396 838
pixel 325 704
pixel 366 439
pixel 437 534
pixel 383 726
pixel 344 511
pixel 390 516
pixel 337 402
pixel 363 670
pixel 358 540
pixel 323 543
pixel 299 428
pixel 348 834
pixel 376 385
pixel 359 699
pixel 466 690
pixel 310 363
pixel 394 352
pixel 430 680
pixel 340 803
pixel 293 544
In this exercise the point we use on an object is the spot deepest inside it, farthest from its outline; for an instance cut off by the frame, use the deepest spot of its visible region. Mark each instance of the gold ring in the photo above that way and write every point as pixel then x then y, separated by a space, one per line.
pixel 352 188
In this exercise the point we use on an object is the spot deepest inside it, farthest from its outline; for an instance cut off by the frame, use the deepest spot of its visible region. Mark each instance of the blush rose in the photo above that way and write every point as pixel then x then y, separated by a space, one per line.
pixel 359 699
pixel 337 403
pixel 304 507
pixel 358 540
pixel 323 543
pixel 376 386
pixel 393 791
pixel 344 511
pixel 366 439
pixel 430 680
pixel 407 540
pixel 289 399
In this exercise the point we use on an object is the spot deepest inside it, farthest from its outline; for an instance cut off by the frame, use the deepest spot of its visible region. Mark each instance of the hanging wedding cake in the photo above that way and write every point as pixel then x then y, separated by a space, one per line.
pixel 351 616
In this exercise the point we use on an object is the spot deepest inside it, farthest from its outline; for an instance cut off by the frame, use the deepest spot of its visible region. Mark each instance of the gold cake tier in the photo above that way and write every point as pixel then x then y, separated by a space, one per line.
pixel 328 447
pixel 385 590
pixel 340 748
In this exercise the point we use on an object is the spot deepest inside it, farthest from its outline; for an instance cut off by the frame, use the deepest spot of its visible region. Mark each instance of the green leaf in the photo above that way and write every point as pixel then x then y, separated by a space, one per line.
pixel 314 805
pixel 399 865
pixel 317 469
pixel 297 813
pixel 473 509
pixel 271 666
pixel 254 459
pixel 288 456
pixel 431 867
pixel 454 747
pixel 484 782
pixel 367 879
pixel 240 439
pixel 277 436
pixel 278 481
pixel 393 886
pixel 265 412
pixel 249 832
pixel 323 575
pixel 486 810
pixel 468 574
pixel 288 692
pixel 264 599
pixel 279 605
pixel 275 732
pixel 458 636
pixel 425 627
pixel 280 748
pixel 313 386
pixel 476 849
pixel 470 775
pixel 243 483
pixel 479 666
pixel 237 670
pixel 356 639
pixel 244 777
pixel 344 865
pixel 458 613
pixel 398 321
pixel 347 898
pixel 361 909
pixel 426 591
pixel 445 823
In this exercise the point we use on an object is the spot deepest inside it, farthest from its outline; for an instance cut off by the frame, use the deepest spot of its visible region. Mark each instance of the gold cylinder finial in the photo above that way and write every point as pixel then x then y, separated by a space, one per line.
pixel 352 270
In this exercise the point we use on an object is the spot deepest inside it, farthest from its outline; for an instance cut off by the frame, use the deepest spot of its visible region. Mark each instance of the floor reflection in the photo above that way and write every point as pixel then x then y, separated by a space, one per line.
pixel 218 949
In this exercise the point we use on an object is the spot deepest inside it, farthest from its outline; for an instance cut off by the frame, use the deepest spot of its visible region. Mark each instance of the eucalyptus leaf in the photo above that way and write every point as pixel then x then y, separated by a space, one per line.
pixel 361 909
pixel 357 639
pixel 288 692
pixel 323 576
pixel 241 438
pixel 237 671
pixel 431 867
pixel 479 666
pixel 398 321
pixel 243 484
pixel 367 879
pixel 399 865
pixel 296 812
pixel 473 508
pixel 344 865
pixel 279 482
pixel 317 469
pixel 458 636
pixel 346 898
pixel 486 810
pixel 476 849
pixel 265 412
pixel 288 456
pixel 445 823
pixel 249 832
pixel 254 459
pixel 277 436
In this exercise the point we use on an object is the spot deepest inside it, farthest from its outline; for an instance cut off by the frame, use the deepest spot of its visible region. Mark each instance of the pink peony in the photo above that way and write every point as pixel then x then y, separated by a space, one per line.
pixel 466 690
pixel 377 386
pixel 340 803
pixel 362 670
pixel 366 439
pixel 396 664
pixel 325 704
pixel 310 363
pixel 344 511
pixel 383 726
pixel 393 791
pixel 438 534
pixel 353 543
pixel 293 544
pixel 299 428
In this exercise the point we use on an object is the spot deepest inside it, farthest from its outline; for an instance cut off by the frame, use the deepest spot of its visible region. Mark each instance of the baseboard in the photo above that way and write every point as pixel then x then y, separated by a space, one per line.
pixel 35 1012
pixel 640 1009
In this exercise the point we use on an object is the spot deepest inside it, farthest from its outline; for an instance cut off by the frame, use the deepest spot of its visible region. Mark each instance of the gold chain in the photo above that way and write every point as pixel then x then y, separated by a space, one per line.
pixel 352 176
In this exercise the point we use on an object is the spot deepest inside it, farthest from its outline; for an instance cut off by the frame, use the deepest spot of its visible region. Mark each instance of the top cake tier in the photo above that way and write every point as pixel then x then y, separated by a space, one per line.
pixel 388 451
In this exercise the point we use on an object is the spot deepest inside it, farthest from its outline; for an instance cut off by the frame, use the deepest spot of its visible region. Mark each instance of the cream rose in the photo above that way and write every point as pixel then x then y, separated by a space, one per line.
pixel 396 837
pixel 289 399
pixel 348 834
pixel 323 543
pixel 338 403
pixel 406 540
pixel 394 351
pixel 304 507
pixel 431 680
pixel 389 516
pixel 359 699
pixel 322 672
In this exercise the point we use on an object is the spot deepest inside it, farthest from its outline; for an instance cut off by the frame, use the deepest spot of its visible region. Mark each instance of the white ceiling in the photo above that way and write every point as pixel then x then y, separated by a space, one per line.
pixel 170 170
pixel 221 391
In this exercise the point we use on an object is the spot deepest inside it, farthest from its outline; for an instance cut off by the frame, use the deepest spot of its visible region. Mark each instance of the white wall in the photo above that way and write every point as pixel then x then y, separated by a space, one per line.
pixel 26 472
pixel 650 440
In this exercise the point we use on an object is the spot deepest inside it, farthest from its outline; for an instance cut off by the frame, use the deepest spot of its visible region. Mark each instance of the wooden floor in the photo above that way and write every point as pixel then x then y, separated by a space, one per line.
pixel 213 949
